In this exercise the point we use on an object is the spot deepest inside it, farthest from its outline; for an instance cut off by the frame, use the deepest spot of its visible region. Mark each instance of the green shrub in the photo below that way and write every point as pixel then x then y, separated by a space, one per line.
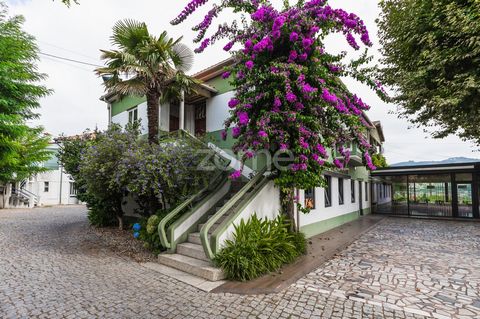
pixel 149 232
pixel 260 247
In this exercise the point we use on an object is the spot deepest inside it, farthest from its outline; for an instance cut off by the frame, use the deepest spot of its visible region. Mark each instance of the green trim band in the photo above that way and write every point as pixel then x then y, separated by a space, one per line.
pixel 325 225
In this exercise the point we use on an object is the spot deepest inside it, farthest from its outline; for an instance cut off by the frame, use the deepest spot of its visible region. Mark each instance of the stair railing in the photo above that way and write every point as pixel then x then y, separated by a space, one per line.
pixel 224 210
pixel 162 226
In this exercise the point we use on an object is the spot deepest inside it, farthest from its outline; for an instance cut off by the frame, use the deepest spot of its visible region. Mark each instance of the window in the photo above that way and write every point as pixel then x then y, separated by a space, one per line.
pixel 73 189
pixel 366 191
pixel 46 187
pixel 310 198
pixel 340 191
pixel 328 191
pixel 133 115
pixel 352 190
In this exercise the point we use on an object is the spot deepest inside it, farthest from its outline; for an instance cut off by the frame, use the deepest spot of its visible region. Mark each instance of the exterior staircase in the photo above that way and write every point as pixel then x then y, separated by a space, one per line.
pixel 190 256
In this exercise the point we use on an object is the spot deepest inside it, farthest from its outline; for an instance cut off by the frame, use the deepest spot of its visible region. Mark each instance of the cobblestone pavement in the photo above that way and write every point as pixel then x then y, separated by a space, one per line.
pixel 53 266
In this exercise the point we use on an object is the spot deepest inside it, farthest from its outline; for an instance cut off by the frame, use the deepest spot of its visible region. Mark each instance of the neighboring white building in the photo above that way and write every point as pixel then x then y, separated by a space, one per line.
pixel 53 187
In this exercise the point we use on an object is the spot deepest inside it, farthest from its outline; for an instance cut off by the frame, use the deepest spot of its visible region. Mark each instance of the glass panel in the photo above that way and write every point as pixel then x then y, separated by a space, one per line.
pixel 430 195
pixel 399 205
pixel 465 202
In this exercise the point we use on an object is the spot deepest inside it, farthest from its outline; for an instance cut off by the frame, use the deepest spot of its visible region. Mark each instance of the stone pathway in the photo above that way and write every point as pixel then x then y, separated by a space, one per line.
pixel 53 266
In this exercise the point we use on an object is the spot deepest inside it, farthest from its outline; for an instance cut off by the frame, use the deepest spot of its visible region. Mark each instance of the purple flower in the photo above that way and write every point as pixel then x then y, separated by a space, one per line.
pixel 248 44
pixel 338 163
pixel 293 36
pixel 279 22
pixel 303 57
pixel 368 159
pixel 226 75
pixel 224 135
pixel 307 88
pixel 236 132
pixel 262 134
pixel 243 118
pixel 233 103
pixel 293 55
pixel 229 46
pixel 236 174
pixel 321 150
pixel 352 42
pixel 291 97
pixel 249 154
pixel 249 64
pixel 307 43
pixel 240 75
pixel 329 97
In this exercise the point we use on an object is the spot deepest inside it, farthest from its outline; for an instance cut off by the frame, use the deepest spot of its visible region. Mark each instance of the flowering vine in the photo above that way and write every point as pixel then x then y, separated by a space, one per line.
pixel 289 96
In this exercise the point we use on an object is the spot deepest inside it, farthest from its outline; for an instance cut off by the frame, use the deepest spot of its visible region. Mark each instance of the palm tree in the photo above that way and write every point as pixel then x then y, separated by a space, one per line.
pixel 146 65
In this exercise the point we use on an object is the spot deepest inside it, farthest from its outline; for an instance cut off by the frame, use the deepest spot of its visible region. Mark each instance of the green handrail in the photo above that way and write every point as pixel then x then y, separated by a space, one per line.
pixel 204 231
pixel 162 226
pixel 162 231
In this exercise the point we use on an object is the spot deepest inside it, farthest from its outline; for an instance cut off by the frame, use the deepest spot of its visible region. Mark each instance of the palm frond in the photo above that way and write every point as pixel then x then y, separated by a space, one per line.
pixel 182 57
pixel 129 34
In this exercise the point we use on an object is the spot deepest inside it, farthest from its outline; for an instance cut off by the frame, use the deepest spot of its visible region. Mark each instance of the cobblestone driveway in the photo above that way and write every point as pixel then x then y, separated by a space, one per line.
pixel 52 266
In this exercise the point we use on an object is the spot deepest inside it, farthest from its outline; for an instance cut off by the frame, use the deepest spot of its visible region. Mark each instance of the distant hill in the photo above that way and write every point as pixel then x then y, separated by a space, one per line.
pixel 452 160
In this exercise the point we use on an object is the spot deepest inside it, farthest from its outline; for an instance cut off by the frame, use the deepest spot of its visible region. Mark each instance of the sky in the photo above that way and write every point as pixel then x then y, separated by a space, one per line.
pixel 79 32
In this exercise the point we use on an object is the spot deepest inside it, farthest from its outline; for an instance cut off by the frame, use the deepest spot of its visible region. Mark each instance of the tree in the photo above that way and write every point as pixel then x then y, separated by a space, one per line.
pixel 146 65
pixel 22 148
pixel 431 52
pixel 288 94
pixel 379 160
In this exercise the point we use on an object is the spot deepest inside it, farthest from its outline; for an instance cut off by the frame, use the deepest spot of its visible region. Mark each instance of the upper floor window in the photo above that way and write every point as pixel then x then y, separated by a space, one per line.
pixel 328 191
pixel 46 187
pixel 133 115
pixel 352 190
pixel 310 198
pixel 340 191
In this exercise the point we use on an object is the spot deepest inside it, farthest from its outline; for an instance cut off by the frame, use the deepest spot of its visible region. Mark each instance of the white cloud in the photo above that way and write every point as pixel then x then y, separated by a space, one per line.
pixel 80 31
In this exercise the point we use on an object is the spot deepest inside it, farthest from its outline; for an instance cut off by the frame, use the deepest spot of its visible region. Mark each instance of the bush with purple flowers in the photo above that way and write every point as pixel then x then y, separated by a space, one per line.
pixel 288 89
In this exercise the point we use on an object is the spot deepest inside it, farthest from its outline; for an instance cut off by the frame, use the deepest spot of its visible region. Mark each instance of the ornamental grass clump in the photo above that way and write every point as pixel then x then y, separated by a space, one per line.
pixel 260 247
pixel 289 96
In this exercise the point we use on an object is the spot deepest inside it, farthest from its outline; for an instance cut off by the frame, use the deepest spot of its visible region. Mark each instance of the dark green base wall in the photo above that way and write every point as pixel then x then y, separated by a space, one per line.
pixel 325 225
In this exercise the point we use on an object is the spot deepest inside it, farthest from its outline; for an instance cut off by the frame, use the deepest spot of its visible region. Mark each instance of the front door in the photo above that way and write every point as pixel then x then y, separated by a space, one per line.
pixel 200 118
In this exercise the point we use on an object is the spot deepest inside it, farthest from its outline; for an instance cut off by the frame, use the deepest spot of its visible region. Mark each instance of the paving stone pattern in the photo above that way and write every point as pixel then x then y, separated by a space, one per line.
pixel 53 266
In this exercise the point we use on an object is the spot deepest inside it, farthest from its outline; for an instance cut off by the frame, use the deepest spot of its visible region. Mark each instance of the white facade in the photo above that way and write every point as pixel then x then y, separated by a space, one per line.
pixel 53 187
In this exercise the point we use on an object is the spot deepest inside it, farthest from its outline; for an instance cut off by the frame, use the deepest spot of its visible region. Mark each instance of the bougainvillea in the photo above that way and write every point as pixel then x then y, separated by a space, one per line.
pixel 289 96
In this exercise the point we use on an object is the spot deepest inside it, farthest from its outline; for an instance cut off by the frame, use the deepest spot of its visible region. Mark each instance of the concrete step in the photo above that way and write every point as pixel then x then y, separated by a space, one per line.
pixel 214 226
pixel 194 238
pixel 192 250
pixel 193 266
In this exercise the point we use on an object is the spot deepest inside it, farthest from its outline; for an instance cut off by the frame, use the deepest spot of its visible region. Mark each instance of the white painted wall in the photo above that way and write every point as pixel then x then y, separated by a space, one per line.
pixel 217 111
pixel 321 212
pixel 58 190
pixel 265 205
pixel 122 118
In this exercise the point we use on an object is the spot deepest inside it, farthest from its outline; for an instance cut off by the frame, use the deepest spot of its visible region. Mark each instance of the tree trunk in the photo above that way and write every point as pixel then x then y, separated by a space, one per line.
pixel 120 222
pixel 153 106
pixel 287 198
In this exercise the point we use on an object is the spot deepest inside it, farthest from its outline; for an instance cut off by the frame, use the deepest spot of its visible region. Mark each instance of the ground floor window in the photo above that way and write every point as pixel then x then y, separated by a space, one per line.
pixel 366 191
pixel 73 189
pixel 340 191
pixel 310 198
pixel 328 191
pixel 352 190
pixel 46 187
